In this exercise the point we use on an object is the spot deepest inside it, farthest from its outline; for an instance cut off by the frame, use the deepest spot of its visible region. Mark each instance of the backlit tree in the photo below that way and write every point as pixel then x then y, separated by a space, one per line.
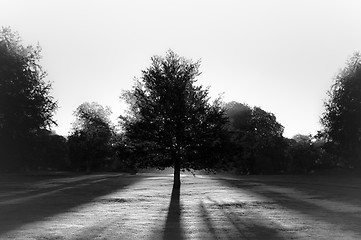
pixel 26 105
pixel 342 117
pixel 171 122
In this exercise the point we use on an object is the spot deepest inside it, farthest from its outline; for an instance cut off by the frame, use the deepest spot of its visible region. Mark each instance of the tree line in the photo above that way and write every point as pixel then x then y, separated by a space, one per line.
pixel 170 122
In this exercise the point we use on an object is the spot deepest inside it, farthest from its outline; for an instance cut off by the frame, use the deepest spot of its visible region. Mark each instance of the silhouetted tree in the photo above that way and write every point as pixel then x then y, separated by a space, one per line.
pixel 25 103
pixel 257 139
pixel 90 136
pixel 239 126
pixel 122 156
pixel 49 151
pixel 342 117
pixel 302 155
pixel 170 120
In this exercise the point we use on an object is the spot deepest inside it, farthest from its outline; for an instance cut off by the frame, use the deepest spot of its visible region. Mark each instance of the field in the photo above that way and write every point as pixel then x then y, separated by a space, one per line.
pixel 144 206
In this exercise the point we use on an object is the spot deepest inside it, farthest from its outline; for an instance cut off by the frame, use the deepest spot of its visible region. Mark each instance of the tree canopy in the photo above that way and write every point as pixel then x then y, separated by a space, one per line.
pixel 342 117
pixel 90 136
pixel 171 122
pixel 256 138
pixel 25 101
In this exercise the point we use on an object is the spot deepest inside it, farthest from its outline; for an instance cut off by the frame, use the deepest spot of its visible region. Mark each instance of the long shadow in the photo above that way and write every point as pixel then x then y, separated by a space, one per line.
pixel 208 221
pixel 236 227
pixel 28 184
pixel 173 229
pixel 58 200
pixel 247 228
pixel 315 212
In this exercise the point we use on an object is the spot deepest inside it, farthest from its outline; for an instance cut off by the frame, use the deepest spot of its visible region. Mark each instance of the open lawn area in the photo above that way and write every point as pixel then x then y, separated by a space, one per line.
pixel 144 206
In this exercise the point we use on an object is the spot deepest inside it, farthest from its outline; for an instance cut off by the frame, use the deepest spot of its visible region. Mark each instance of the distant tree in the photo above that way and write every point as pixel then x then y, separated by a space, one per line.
pixel 239 115
pixel 256 137
pixel 90 136
pixel 302 154
pixel 301 138
pixel 171 122
pixel 239 127
pixel 25 102
pixel 123 157
pixel 269 147
pixel 342 117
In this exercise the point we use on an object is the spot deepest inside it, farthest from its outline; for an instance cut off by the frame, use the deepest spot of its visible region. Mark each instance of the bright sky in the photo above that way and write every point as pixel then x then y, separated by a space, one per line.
pixel 279 55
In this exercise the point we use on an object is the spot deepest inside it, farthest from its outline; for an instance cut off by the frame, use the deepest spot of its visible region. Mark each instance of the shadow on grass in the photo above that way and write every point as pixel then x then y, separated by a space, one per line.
pixel 235 226
pixel 173 229
pixel 208 220
pixel 303 204
pixel 56 200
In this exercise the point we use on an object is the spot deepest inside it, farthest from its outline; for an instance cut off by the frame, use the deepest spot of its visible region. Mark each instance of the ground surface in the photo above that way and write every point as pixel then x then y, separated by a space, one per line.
pixel 143 206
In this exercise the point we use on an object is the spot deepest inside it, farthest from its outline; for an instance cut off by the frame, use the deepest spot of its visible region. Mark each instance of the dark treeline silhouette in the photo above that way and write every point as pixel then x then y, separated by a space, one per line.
pixel 255 140
pixel 256 144
pixel 170 123
pixel 342 117
pixel 26 107
pixel 89 141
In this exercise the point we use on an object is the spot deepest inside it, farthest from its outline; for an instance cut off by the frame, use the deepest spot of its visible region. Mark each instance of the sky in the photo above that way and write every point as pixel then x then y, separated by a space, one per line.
pixel 279 55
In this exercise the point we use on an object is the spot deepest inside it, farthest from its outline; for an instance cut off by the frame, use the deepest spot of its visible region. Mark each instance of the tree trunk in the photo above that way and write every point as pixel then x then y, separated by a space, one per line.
pixel 177 182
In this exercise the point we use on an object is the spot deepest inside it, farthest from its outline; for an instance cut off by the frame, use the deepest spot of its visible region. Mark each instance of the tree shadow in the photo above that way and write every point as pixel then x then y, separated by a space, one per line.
pixel 234 226
pixel 302 204
pixel 56 200
pixel 208 221
pixel 173 229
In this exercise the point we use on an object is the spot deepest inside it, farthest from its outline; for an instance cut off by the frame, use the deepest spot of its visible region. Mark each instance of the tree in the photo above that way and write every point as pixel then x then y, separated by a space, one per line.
pixel 302 154
pixel 170 122
pixel 91 133
pixel 342 117
pixel 256 139
pixel 49 151
pixel 122 156
pixel 25 102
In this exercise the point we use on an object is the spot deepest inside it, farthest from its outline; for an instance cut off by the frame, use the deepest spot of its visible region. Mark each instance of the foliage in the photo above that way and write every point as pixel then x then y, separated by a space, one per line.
pixel 256 139
pixel 90 137
pixel 25 103
pixel 170 120
pixel 122 156
pixel 302 154
pixel 342 117
pixel 48 151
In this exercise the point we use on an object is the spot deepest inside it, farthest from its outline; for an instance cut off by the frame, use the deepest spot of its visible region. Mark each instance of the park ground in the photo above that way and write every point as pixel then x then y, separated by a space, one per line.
pixel 144 206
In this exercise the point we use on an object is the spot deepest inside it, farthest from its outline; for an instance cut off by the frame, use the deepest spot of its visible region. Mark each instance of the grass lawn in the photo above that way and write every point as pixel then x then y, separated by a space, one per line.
pixel 144 206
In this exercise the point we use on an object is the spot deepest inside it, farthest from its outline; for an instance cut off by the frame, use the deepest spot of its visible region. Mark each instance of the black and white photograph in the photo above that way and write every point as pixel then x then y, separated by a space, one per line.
pixel 180 119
